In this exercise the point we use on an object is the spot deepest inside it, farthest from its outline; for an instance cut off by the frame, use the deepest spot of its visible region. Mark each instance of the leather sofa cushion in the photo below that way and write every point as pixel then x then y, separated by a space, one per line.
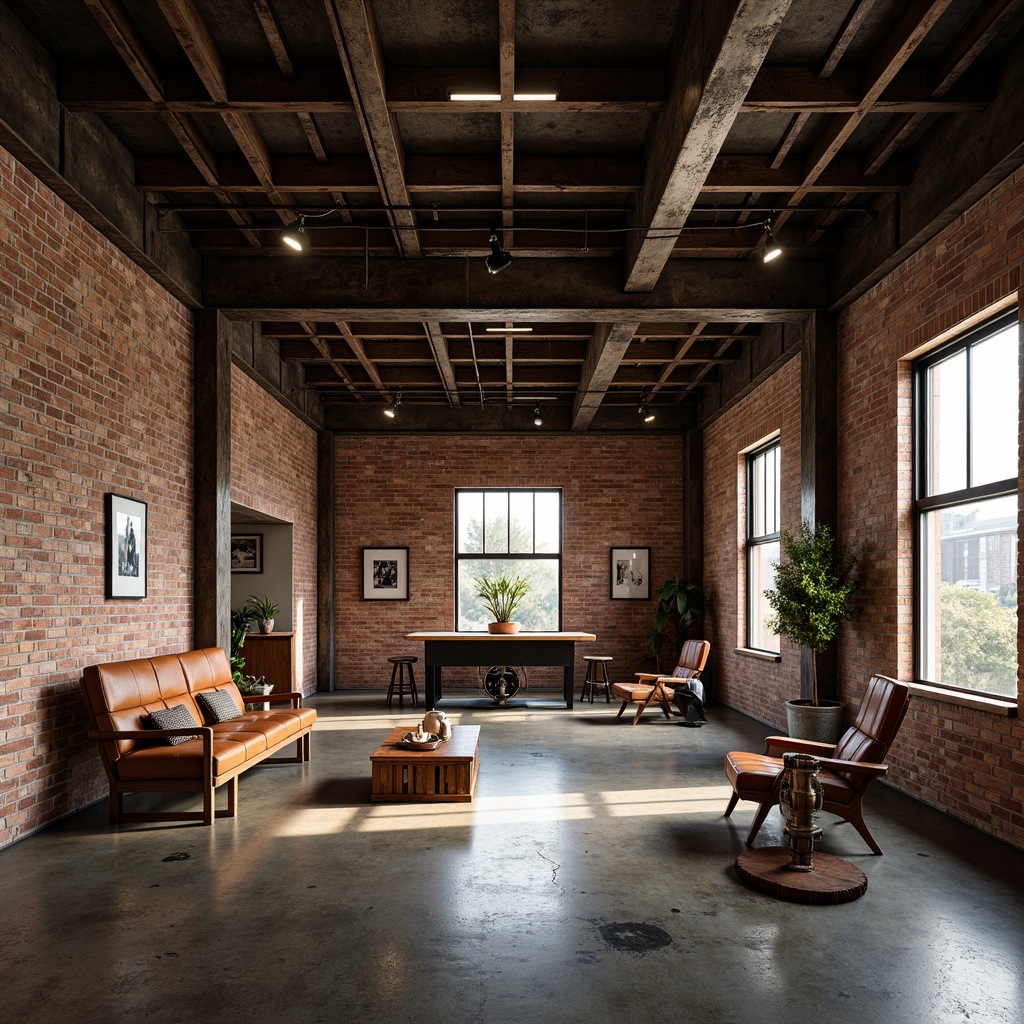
pixel 184 761
pixel 750 773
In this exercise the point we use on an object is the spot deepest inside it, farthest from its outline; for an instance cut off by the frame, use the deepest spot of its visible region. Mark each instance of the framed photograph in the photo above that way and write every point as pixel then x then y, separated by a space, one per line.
pixel 247 552
pixel 631 574
pixel 127 550
pixel 385 574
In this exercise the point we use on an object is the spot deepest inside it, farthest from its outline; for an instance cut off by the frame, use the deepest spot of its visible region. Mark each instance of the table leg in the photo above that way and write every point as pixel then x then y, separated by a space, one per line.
pixel 567 679
pixel 432 691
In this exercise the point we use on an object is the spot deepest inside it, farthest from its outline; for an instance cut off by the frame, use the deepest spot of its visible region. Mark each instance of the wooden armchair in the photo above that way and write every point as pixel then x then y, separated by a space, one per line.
pixel 847 769
pixel 654 688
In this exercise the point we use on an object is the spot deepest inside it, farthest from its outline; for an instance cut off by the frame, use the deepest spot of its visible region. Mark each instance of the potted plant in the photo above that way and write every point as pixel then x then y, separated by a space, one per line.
pixel 239 627
pixel 252 685
pixel 263 610
pixel 502 596
pixel 809 601
pixel 680 604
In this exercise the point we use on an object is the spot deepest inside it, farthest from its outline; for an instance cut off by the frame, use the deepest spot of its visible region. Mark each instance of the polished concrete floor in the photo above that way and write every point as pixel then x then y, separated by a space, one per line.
pixel 591 880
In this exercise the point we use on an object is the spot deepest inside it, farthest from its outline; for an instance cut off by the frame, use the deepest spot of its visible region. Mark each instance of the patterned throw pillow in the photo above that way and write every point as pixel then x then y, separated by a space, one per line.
pixel 176 717
pixel 217 706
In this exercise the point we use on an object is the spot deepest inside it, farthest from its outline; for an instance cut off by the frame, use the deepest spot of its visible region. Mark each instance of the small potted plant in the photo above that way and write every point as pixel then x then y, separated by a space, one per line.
pixel 809 601
pixel 239 627
pixel 680 604
pixel 252 685
pixel 502 596
pixel 263 610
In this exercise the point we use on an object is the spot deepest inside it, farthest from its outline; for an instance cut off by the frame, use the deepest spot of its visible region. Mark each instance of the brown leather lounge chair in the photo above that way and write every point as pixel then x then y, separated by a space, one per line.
pixel 652 688
pixel 847 769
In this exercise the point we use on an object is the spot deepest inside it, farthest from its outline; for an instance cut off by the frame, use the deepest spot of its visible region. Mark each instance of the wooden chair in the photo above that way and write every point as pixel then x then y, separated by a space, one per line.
pixel 847 768
pixel 655 688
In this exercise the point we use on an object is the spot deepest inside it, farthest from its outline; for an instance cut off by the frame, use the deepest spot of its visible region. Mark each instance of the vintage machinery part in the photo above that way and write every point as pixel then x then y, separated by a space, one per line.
pixel 501 683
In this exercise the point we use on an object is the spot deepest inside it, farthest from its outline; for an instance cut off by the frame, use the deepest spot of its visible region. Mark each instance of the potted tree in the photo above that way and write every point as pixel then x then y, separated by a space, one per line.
pixel 502 596
pixel 680 605
pixel 809 601
pixel 263 610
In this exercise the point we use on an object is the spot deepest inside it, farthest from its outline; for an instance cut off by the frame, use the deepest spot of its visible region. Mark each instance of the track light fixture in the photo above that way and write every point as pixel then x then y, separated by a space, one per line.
pixel 296 239
pixel 537 421
pixel 645 412
pixel 771 248
pixel 499 259
pixel 395 403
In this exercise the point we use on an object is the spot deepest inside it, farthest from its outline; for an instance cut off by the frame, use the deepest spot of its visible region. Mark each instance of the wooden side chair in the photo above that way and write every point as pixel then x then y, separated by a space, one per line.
pixel 847 768
pixel 655 688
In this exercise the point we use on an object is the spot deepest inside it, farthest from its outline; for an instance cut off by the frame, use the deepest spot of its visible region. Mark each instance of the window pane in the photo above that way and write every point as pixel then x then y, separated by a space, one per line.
pixel 549 522
pixel 771 488
pixel 496 521
pixel 471 520
pixel 761 577
pixel 758 497
pixel 994 383
pixel 521 531
pixel 947 425
pixel 539 610
pixel 968 580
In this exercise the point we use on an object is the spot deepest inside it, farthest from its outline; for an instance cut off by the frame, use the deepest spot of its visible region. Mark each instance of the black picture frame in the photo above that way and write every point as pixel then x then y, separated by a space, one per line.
pixel 630 573
pixel 385 574
pixel 127 546
pixel 247 553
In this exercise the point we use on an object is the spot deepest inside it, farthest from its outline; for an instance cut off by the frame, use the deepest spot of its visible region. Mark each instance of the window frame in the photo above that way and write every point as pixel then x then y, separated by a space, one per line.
pixel 752 540
pixel 924 503
pixel 511 556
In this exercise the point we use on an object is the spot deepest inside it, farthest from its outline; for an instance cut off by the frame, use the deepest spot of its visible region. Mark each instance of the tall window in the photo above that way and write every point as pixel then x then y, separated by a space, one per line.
pixel 965 403
pixel 763 516
pixel 516 532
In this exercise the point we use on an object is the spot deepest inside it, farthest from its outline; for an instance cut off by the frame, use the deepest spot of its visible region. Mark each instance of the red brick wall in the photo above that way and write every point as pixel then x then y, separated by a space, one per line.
pixel 753 685
pixel 963 761
pixel 273 470
pixel 399 491
pixel 96 397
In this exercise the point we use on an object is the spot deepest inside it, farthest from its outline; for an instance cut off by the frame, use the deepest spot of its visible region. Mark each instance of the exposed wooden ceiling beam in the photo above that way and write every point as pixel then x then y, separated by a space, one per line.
pixel 360 353
pixel 845 36
pixel 355 35
pixel 718 48
pixel 439 348
pixel 507 84
pixel 337 368
pixel 611 341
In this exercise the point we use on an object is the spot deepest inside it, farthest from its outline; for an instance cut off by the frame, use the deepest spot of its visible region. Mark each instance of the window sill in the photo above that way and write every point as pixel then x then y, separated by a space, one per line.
pixel 1002 706
pixel 749 652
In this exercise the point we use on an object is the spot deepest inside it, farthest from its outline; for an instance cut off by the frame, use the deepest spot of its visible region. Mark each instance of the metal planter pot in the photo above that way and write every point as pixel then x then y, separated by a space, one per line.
pixel 824 723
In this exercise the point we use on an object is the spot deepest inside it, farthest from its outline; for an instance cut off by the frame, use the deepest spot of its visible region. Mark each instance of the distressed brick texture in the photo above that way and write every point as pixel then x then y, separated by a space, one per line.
pixel 399 491
pixel 95 396
pixel 752 685
pixel 274 471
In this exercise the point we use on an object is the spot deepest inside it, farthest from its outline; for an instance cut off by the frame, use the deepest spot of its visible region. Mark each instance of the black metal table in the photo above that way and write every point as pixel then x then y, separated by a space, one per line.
pixel 483 649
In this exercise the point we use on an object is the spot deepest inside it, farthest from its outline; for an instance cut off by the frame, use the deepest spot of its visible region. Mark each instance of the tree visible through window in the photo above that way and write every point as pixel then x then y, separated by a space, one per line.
pixel 515 532
pixel 966 489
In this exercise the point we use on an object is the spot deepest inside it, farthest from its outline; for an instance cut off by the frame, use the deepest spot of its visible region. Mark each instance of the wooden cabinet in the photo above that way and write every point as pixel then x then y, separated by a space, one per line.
pixel 271 655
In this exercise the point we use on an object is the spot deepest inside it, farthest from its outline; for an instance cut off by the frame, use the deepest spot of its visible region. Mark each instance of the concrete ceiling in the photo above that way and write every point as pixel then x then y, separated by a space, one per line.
pixel 633 204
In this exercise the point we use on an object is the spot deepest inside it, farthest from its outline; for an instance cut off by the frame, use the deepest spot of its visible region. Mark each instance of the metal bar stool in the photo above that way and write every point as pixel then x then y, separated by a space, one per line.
pixel 399 665
pixel 597 675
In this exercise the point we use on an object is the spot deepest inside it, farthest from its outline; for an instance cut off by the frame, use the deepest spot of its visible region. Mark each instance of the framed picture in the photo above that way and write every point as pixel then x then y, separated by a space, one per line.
pixel 247 552
pixel 631 574
pixel 127 550
pixel 385 574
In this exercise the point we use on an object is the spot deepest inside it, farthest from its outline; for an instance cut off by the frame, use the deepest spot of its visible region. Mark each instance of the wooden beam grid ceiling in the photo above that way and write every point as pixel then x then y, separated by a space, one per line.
pixel 352 134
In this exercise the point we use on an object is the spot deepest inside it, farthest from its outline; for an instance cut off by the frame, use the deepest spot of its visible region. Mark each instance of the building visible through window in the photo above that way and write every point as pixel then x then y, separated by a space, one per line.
pixel 966 506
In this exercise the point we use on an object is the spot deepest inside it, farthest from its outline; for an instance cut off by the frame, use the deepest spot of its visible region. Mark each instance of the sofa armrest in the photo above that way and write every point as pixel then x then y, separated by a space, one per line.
pixel 294 698
pixel 204 732
pixel 648 677
pixel 776 746
pixel 853 767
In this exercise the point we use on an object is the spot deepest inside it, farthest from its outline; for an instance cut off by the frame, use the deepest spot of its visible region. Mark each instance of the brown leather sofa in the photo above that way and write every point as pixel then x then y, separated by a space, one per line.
pixel 120 695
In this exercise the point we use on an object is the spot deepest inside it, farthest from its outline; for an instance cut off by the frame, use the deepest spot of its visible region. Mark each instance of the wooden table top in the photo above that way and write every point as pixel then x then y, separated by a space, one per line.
pixel 501 637
pixel 461 747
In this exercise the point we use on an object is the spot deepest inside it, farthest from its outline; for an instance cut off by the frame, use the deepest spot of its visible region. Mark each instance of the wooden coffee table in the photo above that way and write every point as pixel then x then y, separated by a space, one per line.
pixel 448 773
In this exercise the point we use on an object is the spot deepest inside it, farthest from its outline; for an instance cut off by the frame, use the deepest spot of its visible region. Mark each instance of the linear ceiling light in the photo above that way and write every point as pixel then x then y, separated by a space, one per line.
pixel 296 239
pixel 499 258
pixel 475 97
pixel 507 330
pixel 771 248
pixel 529 97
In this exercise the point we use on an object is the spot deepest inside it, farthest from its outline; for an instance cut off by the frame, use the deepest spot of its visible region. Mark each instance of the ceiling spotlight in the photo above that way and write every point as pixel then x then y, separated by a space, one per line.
pixel 646 413
pixel 390 410
pixel 771 248
pixel 537 421
pixel 297 239
pixel 499 259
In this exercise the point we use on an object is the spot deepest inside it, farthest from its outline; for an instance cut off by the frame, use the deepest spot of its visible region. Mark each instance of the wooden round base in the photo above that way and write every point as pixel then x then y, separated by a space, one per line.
pixel 833 880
